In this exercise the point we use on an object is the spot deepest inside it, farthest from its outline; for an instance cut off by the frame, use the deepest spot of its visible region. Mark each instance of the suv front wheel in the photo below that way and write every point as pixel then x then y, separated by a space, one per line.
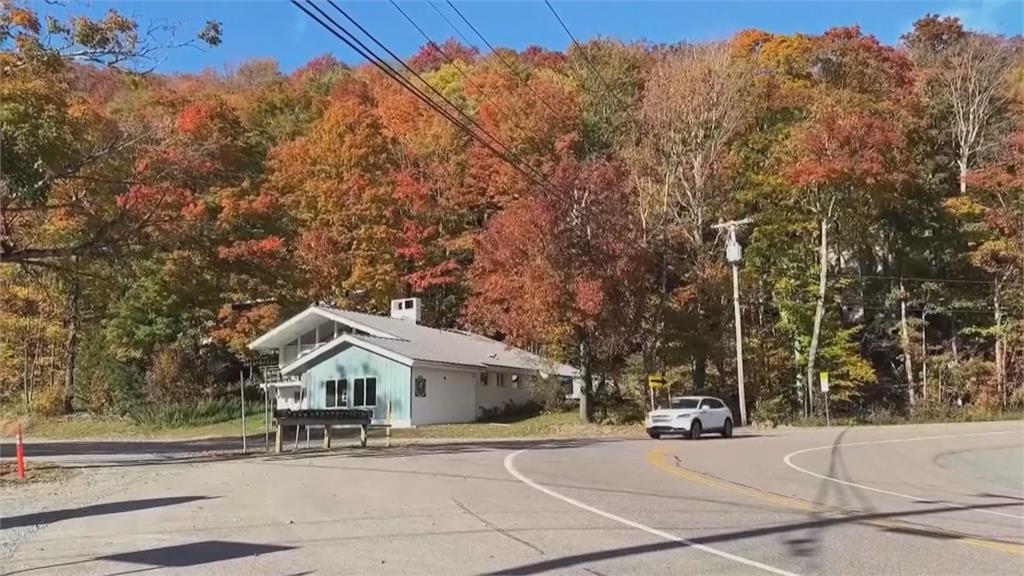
pixel 695 430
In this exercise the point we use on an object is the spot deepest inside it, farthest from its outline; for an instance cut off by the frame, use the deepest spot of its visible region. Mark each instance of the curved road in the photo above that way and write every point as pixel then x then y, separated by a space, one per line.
pixel 931 500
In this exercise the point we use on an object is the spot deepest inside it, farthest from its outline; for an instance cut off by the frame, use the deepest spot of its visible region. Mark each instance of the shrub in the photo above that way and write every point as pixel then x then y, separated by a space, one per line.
pixel 773 411
pixel 510 411
pixel 48 401
pixel 104 383
pixel 549 392
pixel 621 413
pixel 184 414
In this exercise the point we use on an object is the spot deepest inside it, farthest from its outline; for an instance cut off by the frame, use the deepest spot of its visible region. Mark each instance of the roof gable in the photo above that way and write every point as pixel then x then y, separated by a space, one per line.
pixel 304 362
pixel 305 321
pixel 406 341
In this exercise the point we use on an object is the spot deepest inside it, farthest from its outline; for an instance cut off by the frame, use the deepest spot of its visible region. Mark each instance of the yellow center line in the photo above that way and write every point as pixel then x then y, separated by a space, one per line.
pixel 662 460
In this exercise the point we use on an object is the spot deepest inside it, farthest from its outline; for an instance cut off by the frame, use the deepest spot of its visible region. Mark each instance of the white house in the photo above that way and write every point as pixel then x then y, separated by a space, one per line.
pixel 330 358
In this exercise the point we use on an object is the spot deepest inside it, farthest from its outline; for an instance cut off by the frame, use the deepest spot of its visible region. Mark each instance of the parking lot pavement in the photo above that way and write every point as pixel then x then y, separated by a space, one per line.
pixel 859 501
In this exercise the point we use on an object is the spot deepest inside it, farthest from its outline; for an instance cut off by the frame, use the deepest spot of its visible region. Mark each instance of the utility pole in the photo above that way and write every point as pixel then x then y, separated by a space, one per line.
pixel 734 254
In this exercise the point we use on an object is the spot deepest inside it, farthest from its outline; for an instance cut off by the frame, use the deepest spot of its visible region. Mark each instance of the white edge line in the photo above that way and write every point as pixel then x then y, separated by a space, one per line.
pixel 789 462
pixel 510 467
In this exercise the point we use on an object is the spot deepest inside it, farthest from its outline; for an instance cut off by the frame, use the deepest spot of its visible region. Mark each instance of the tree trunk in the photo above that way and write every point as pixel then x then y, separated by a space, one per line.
pixel 24 377
pixel 1000 349
pixel 963 175
pixel 801 391
pixel 71 345
pixel 924 357
pixel 587 393
pixel 819 312
pixel 700 371
pixel 908 363
pixel 955 349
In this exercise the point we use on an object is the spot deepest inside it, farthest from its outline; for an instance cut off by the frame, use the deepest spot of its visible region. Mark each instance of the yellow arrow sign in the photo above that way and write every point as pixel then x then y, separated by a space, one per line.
pixel 655 381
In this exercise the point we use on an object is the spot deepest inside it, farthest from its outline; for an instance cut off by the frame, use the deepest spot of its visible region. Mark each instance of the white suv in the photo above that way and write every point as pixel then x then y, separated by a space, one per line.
pixel 691 416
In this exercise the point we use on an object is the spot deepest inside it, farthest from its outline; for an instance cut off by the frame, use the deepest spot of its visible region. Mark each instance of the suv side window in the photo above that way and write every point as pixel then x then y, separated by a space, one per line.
pixel 715 404
pixel 706 404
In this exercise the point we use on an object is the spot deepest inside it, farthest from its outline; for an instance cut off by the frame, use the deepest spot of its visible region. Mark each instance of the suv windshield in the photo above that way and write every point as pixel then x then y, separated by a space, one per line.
pixel 684 403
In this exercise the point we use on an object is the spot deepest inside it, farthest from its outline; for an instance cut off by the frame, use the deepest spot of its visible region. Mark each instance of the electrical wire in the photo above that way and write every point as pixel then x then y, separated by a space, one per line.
pixel 450 59
pixel 517 73
pixel 541 178
pixel 916 279
pixel 393 74
pixel 583 53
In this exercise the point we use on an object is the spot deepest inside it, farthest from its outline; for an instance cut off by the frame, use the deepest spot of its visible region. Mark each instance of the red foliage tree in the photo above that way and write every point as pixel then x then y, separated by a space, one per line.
pixel 562 268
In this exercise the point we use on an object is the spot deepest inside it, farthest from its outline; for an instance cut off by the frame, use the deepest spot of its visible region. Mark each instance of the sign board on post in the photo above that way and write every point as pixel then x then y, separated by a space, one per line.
pixel 654 381
pixel 823 377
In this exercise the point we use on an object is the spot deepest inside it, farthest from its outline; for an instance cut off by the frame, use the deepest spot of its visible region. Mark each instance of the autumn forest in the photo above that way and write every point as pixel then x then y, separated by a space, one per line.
pixel 151 224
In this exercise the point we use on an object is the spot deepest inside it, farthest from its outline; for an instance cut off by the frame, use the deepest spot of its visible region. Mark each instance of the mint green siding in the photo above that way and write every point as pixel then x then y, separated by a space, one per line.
pixel 352 362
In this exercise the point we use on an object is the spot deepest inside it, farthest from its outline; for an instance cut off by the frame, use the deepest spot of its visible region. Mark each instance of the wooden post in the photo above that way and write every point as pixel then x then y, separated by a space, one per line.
pixel 241 392
pixel 278 438
pixel 388 431
pixel 327 437
pixel 266 416
pixel 297 427
pixel 362 435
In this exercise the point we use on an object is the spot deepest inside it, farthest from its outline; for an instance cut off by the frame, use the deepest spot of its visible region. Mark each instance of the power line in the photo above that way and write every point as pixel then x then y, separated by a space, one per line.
pixel 541 179
pixel 450 59
pixel 361 49
pixel 494 51
pixel 916 278
pixel 583 53
pixel 868 306
pixel 452 26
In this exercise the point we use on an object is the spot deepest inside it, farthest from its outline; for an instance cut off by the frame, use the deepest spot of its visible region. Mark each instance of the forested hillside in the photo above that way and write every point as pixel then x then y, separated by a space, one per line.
pixel 151 224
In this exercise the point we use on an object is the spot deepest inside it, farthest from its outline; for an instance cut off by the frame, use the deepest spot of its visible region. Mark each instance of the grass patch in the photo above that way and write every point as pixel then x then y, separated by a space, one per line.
pixel 190 414
pixel 88 426
pixel 545 425
pixel 920 416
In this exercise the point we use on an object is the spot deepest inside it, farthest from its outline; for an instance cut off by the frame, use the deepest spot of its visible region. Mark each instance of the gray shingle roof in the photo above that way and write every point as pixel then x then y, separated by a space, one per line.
pixel 420 342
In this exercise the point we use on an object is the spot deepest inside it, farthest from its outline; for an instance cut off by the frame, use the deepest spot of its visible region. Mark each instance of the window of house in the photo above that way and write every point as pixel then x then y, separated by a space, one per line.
pixel 515 380
pixel 336 394
pixel 331 399
pixel 296 396
pixel 500 380
pixel 483 378
pixel 364 392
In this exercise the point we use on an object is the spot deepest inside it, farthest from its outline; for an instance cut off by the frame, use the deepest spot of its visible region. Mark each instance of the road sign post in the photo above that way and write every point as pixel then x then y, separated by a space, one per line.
pixel 655 381
pixel 823 378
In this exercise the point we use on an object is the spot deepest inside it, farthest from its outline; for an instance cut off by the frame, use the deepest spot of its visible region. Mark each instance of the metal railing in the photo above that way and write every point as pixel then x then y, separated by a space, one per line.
pixel 272 375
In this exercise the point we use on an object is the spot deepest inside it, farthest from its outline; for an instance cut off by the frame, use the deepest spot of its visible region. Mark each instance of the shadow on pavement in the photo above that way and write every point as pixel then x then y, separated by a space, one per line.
pixel 588 557
pixel 427 448
pixel 178 556
pixel 130 447
pixel 194 554
pixel 49 517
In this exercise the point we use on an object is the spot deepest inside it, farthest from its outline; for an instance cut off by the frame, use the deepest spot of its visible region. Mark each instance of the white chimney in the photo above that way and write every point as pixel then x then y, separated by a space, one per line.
pixel 406 309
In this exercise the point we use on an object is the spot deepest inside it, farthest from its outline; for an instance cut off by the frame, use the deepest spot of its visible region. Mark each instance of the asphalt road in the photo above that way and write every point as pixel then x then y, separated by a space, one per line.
pixel 932 500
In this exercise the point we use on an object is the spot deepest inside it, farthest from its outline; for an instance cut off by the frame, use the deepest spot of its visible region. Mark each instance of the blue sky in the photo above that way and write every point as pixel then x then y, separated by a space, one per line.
pixel 276 29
